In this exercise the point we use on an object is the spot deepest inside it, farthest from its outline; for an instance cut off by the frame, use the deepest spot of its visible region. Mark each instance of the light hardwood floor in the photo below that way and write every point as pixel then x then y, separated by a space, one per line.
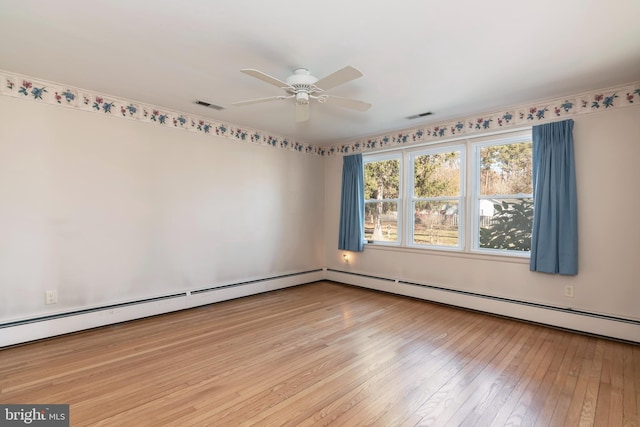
pixel 326 353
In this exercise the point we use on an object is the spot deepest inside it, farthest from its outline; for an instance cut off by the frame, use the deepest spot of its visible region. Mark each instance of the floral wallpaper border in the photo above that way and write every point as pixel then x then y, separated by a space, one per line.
pixel 546 111
pixel 18 86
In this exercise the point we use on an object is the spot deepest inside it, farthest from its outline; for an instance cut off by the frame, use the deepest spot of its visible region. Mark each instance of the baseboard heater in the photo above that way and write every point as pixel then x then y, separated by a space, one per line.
pixel 90 310
pixel 233 285
pixel 44 326
pixel 567 318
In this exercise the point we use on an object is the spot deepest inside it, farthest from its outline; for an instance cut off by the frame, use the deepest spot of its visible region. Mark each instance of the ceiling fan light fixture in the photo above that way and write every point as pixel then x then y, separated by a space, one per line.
pixel 302 98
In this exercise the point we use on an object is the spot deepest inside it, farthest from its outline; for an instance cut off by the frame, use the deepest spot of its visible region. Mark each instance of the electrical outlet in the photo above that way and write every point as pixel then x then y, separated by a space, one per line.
pixel 568 291
pixel 51 297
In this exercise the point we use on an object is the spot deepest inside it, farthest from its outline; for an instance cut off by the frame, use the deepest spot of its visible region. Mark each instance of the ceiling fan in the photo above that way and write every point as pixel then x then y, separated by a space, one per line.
pixel 303 87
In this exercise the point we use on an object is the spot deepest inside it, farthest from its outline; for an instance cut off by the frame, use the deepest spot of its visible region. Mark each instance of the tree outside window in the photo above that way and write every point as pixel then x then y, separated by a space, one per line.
pixel 504 199
pixel 382 196
pixel 437 197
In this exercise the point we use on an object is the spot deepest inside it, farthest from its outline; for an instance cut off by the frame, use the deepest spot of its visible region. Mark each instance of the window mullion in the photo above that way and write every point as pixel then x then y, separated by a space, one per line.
pixel 407 228
pixel 475 177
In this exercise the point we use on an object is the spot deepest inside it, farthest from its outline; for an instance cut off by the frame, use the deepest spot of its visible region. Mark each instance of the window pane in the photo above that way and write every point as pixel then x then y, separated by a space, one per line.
pixel 506 169
pixel 506 224
pixel 437 175
pixel 381 221
pixel 382 179
pixel 436 223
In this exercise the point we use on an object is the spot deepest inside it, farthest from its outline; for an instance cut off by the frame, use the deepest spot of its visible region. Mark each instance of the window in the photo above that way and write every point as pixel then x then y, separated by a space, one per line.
pixel 503 196
pixel 382 204
pixel 437 199
pixel 429 205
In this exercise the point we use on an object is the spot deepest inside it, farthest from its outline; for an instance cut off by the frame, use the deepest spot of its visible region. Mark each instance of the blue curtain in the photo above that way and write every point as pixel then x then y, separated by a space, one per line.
pixel 351 235
pixel 554 242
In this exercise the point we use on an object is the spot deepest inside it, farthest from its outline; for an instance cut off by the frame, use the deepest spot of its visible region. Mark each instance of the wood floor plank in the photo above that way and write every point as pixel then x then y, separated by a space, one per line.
pixel 540 387
pixel 464 403
pixel 419 352
pixel 616 408
pixel 579 393
pixel 630 408
pixel 511 411
pixel 589 405
pixel 559 394
pixel 603 408
pixel 566 383
pixel 327 354
pixel 636 383
pixel 503 384
pixel 410 345
pixel 445 402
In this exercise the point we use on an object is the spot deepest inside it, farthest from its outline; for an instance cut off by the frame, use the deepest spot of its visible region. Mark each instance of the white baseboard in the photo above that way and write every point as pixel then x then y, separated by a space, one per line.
pixel 592 323
pixel 63 323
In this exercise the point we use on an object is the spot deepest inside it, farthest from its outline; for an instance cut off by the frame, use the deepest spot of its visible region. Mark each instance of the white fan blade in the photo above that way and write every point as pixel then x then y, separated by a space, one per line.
pixel 353 104
pixel 339 77
pixel 259 100
pixel 302 112
pixel 266 78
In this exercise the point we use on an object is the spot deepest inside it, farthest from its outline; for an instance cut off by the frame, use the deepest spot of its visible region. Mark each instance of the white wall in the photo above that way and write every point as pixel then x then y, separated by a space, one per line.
pixel 607 153
pixel 106 210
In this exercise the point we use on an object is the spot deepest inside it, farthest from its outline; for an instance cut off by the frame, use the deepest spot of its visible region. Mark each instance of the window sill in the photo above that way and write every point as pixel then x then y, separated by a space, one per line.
pixel 515 259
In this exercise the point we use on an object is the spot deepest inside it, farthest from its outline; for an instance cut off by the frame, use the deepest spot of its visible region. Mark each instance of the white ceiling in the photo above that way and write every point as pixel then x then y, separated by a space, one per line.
pixel 454 58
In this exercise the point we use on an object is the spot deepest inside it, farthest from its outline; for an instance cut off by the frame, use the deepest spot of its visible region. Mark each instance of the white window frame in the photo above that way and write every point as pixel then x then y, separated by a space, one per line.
pixel 475 203
pixel 411 198
pixel 389 155
pixel 468 207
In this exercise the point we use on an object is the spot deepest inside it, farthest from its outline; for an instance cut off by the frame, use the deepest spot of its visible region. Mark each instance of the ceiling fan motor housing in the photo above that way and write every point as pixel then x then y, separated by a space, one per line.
pixel 302 97
pixel 301 77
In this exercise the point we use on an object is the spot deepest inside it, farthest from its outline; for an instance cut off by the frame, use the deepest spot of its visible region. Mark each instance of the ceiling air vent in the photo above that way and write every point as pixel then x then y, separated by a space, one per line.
pixel 210 105
pixel 417 116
